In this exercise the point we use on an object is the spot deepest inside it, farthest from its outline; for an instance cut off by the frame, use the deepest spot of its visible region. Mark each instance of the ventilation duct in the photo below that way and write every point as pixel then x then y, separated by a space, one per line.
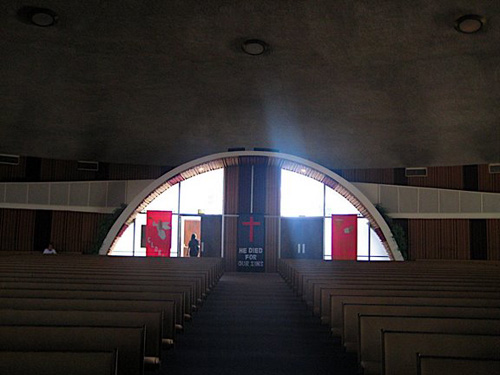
pixel 416 172
pixel 92 166
pixel 9 159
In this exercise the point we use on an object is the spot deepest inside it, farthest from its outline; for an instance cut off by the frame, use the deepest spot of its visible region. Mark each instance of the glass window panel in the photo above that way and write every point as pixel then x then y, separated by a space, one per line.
pixel 362 238
pixel 337 204
pixel 204 193
pixel 300 195
pixel 377 251
pixel 327 254
pixel 124 246
pixel 166 201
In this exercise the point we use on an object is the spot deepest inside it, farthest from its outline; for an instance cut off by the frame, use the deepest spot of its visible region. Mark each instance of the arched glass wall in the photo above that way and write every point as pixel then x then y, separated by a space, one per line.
pixel 201 194
pixel 302 196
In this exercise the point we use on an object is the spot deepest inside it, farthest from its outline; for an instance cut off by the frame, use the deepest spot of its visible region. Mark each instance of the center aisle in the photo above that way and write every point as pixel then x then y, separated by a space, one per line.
pixel 253 324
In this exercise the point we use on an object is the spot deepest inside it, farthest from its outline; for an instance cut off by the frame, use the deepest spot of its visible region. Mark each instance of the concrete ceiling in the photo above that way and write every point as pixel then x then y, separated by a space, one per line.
pixel 347 84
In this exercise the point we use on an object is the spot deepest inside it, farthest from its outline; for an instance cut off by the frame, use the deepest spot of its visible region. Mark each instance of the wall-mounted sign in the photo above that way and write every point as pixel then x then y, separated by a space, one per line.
pixel 251 240
pixel 158 233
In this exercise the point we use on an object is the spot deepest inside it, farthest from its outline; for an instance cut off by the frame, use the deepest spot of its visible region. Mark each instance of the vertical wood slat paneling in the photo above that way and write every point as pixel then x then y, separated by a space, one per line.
pixel 489 182
pixel 273 206
pixel 75 231
pixel 440 177
pixel 493 238
pixel 17 229
pixel 374 176
pixel 438 239
pixel 230 223
pixel 11 173
pixel 135 172
pixel 63 170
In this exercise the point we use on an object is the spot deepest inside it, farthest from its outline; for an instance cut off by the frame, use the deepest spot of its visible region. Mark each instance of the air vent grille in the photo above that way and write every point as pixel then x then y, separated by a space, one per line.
pixel 9 159
pixel 92 166
pixel 416 172
pixel 494 168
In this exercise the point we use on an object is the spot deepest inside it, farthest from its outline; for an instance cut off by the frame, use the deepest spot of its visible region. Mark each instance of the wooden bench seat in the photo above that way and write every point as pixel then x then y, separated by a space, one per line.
pixel 351 331
pixel 184 289
pixel 446 365
pixel 89 276
pixel 58 363
pixel 400 348
pixel 153 321
pixel 320 302
pixel 67 304
pixel 176 298
pixel 370 354
pixel 405 298
pixel 128 340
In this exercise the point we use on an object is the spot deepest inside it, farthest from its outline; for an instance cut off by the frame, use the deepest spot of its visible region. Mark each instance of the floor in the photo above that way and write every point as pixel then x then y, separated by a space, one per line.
pixel 253 324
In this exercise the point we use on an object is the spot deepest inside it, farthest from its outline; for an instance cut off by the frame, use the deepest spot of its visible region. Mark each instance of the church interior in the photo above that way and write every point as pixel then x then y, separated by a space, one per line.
pixel 237 187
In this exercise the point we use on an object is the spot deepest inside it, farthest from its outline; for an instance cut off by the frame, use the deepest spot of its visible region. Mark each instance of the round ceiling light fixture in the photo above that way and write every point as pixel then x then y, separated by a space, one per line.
pixel 43 17
pixel 254 47
pixel 469 24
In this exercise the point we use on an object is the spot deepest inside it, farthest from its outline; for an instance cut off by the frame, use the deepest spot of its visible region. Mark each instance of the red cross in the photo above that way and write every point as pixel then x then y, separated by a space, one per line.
pixel 251 224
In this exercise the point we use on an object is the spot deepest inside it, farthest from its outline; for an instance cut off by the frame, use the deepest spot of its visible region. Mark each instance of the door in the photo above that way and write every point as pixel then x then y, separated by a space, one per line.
pixel 211 236
pixel 302 238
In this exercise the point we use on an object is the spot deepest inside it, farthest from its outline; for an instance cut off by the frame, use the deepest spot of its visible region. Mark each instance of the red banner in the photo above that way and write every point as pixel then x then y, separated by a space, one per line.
pixel 344 237
pixel 158 233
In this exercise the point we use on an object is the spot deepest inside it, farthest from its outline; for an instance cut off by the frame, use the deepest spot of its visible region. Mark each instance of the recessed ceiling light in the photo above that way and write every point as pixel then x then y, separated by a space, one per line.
pixel 43 17
pixel 303 170
pixel 469 24
pixel 254 47
pixel 201 169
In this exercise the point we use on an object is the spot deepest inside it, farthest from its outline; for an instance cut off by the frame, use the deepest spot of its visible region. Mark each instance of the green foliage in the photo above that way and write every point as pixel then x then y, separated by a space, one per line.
pixel 397 230
pixel 104 227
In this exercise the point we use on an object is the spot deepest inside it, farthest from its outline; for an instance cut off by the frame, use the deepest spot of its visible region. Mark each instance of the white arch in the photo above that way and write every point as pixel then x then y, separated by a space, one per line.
pixel 139 199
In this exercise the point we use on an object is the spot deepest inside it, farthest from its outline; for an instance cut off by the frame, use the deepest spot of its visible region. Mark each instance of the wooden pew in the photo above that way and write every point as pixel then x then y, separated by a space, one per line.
pixel 58 363
pixel 370 354
pixel 446 365
pixel 105 278
pixel 323 293
pixel 153 321
pixel 431 298
pixel 351 330
pixel 102 295
pixel 166 307
pixel 400 348
pixel 186 287
pixel 41 284
pixel 128 340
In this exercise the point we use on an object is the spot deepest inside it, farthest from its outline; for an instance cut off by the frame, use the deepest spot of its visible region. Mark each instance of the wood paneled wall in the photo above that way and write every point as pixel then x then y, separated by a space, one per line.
pixel 493 235
pixel 438 239
pixel 440 177
pixel 273 207
pixel 231 183
pixel 37 169
pixel 17 229
pixel 374 176
pixel 13 172
pixel 489 182
pixel 75 231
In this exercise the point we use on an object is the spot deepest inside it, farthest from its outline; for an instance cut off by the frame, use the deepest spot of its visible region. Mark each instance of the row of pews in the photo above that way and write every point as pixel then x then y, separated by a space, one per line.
pixel 423 317
pixel 96 315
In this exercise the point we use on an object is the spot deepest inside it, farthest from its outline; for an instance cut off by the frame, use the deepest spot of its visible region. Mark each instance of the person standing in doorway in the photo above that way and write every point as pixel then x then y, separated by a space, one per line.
pixel 194 246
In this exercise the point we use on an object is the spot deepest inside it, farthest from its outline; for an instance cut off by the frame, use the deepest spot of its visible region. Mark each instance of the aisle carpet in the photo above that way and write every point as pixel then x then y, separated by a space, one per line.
pixel 253 324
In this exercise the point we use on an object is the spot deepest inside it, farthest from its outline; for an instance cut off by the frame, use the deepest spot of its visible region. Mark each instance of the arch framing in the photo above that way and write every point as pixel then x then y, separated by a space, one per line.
pixel 220 160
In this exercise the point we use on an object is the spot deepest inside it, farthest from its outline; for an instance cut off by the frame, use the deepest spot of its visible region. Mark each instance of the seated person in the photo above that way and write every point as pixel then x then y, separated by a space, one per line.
pixel 50 250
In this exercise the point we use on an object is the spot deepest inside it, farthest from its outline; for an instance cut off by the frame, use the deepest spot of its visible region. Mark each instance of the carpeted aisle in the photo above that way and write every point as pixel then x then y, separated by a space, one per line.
pixel 253 324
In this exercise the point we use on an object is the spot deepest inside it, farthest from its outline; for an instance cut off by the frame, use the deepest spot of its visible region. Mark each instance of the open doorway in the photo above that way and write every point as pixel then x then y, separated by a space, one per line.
pixel 189 225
